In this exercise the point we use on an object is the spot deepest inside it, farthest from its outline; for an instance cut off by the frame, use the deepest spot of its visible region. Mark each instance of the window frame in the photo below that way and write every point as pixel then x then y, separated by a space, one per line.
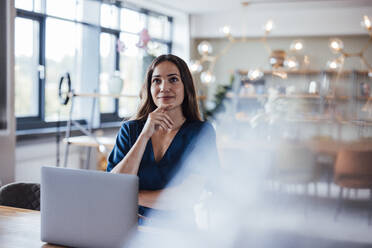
pixel 29 124
pixel 113 116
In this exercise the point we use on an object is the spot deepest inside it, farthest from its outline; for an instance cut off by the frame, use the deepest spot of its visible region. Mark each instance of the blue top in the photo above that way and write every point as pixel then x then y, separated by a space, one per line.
pixel 193 149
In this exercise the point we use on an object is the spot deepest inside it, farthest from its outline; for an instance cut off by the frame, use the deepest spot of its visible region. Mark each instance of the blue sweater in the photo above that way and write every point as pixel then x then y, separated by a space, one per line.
pixel 193 150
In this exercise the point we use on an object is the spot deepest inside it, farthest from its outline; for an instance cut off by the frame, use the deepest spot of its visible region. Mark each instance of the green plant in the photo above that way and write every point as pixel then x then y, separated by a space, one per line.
pixel 218 99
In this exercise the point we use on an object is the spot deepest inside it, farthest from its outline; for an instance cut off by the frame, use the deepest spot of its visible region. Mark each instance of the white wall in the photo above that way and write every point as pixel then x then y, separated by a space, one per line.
pixel 7 137
pixel 289 21
pixel 32 154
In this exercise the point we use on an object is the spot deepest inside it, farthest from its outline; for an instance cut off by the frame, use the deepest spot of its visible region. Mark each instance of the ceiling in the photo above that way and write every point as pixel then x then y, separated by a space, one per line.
pixel 196 7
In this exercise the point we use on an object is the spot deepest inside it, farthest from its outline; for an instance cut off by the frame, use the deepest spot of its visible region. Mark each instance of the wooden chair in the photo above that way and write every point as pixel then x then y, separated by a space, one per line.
pixel 21 195
pixel 295 164
pixel 353 170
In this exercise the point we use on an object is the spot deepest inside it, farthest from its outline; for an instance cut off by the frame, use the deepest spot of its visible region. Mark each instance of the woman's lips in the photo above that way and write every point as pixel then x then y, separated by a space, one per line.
pixel 165 97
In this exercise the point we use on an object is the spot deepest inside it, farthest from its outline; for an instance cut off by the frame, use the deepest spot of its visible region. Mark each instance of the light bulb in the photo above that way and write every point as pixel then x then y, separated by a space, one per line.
pixel 336 45
pixel 195 66
pixel 334 64
pixel 366 23
pixel 207 77
pixel 226 29
pixel 291 63
pixel 297 45
pixel 255 74
pixel 269 26
pixel 204 48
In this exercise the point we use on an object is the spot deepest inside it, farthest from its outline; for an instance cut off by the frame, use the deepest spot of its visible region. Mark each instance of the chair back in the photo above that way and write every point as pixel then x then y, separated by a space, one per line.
pixel 353 169
pixel 295 163
pixel 21 195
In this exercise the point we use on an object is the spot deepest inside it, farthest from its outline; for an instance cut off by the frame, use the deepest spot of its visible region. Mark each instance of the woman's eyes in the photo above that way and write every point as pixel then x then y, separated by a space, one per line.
pixel 173 79
pixel 158 81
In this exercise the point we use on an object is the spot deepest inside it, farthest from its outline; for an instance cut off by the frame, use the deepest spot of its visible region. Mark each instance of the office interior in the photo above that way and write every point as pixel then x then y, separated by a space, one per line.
pixel 286 85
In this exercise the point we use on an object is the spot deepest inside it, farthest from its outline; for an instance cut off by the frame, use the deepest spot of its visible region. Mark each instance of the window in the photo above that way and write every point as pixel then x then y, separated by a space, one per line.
pixel 109 16
pixel 94 42
pixel 60 54
pixel 108 68
pixel 30 5
pixel 65 9
pixel 27 67
pixel 131 65
pixel 133 21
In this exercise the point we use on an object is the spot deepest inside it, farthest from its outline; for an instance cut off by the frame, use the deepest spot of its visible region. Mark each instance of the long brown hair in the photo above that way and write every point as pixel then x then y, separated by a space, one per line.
pixel 189 105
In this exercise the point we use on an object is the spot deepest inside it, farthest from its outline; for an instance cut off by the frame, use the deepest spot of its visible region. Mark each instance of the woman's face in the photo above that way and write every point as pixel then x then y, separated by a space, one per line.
pixel 167 88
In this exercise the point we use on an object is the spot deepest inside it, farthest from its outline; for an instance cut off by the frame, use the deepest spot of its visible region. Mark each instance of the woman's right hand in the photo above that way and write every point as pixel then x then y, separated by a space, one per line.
pixel 157 119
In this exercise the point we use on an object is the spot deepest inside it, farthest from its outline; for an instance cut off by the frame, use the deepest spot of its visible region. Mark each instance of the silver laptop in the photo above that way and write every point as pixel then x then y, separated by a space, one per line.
pixel 82 208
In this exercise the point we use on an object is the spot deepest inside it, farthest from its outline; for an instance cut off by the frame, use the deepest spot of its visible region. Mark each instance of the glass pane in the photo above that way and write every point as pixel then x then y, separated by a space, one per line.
pixel 88 11
pixel 37 6
pixel 61 44
pixel 24 4
pixel 26 67
pixel 128 106
pixel 159 27
pixel 131 68
pixel 107 52
pixel 65 9
pixel 132 21
pixel 109 16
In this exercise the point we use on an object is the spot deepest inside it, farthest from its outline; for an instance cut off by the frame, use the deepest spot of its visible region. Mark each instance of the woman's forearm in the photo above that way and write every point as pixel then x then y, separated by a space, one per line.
pixel 148 198
pixel 176 197
pixel 165 199
pixel 130 163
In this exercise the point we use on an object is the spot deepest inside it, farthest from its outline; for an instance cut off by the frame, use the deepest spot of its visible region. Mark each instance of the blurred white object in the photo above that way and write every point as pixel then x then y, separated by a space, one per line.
pixel 255 74
pixel 115 84
pixel 207 77
pixel 336 45
pixel 297 45
pixel 205 48
pixel 195 66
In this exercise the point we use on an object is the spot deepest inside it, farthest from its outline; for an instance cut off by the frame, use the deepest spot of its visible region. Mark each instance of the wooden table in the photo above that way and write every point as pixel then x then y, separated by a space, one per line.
pixel 20 228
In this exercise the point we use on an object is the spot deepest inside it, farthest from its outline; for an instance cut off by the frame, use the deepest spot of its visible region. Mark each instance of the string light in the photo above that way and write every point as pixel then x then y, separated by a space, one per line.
pixel 336 45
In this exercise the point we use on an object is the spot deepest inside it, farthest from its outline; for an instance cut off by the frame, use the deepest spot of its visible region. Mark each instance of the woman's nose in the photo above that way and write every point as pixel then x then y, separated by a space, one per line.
pixel 164 86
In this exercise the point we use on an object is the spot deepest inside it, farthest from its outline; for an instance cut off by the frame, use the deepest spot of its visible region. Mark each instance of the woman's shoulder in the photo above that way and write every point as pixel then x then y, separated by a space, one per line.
pixel 200 126
pixel 132 125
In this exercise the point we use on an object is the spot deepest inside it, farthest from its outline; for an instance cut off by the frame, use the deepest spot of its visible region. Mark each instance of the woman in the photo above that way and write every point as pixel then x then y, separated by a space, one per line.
pixel 166 136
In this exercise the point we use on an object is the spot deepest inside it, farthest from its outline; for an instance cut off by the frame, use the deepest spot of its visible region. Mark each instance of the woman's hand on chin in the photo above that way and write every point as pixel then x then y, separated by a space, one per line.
pixel 158 119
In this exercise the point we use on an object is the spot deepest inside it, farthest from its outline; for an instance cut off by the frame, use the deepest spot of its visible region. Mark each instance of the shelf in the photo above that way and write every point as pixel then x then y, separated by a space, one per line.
pixel 306 72
pixel 364 98
pixel 97 95
pixel 308 119
pixel 295 96
pixel 342 98
pixel 88 141
pixel 293 72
